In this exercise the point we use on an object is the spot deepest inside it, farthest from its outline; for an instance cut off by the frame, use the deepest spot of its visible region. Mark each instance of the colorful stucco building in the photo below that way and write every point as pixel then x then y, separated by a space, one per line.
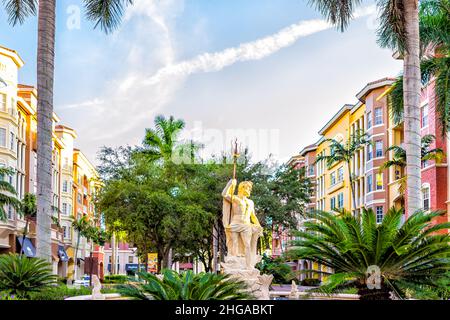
pixel 74 178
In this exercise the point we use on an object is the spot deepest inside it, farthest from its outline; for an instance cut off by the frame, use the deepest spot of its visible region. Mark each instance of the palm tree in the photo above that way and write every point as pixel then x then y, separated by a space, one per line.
pixel 28 209
pixel 398 30
pixel 340 152
pixel 107 15
pixel 7 194
pixel 160 143
pixel 204 286
pixel 403 255
pixel 80 226
pixel 435 45
pixel 399 157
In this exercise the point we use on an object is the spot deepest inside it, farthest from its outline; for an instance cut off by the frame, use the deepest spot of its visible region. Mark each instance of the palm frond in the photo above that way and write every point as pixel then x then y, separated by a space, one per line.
pixel 106 13
pixel 19 10
pixel 392 30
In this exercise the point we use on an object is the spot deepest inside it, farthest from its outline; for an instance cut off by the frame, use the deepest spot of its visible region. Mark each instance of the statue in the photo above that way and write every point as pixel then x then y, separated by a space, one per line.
pixel 242 231
pixel 96 290
pixel 242 227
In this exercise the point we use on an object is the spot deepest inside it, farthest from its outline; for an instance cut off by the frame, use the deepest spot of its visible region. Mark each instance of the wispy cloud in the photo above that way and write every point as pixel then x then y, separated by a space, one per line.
pixel 255 50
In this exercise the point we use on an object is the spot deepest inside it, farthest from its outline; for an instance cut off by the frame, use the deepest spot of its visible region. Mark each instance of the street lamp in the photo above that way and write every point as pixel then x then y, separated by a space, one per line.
pixel 3 83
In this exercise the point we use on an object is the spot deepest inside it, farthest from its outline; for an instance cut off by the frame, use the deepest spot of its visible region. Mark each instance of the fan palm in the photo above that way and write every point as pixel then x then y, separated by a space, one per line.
pixel 398 30
pixel 406 254
pixel 340 152
pixel 20 275
pixel 104 13
pixel 7 194
pixel 187 286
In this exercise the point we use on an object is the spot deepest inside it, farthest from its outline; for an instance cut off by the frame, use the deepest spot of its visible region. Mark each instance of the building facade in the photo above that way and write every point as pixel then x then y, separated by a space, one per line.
pixel 18 151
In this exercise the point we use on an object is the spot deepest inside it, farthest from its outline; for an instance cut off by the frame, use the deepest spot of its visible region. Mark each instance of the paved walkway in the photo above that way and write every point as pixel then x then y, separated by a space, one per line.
pixel 287 287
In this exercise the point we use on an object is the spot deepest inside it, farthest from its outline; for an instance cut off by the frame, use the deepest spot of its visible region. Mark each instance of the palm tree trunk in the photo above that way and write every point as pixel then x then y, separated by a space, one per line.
pixel 411 89
pixel 352 187
pixel 76 257
pixel 45 75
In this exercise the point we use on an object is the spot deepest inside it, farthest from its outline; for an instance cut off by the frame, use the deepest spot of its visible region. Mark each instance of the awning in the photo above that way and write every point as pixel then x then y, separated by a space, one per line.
pixel 62 254
pixel 27 247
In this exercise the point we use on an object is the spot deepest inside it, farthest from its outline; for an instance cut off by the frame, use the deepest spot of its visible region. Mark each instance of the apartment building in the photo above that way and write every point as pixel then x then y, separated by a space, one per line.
pixel 18 151
pixel 373 187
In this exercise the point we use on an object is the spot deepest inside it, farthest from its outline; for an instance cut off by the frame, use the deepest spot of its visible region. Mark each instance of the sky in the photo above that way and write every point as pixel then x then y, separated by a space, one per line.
pixel 270 73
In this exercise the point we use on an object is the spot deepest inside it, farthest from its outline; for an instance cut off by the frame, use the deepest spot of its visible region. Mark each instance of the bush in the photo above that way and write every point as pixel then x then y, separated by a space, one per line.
pixel 116 278
pixel 7 296
pixel 187 286
pixel 282 273
pixel 59 292
pixel 20 276
pixel 309 282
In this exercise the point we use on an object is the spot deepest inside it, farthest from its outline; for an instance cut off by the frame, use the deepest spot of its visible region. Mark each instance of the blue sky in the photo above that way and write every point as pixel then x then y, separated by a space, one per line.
pixel 274 97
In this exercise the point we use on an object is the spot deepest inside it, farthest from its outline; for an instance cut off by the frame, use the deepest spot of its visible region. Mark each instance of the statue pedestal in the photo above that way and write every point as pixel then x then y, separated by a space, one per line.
pixel 258 283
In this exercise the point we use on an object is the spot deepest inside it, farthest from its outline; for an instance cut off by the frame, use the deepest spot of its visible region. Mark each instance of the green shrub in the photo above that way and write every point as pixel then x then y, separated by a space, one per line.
pixel 282 273
pixel 187 286
pixel 20 276
pixel 116 278
pixel 309 282
pixel 7 296
pixel 59 292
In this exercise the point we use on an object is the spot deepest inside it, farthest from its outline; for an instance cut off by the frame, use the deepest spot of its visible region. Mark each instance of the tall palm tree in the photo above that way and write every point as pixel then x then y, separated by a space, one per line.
pixel 399 157
pixel 398 30
pixel 435 46
pixel 104 13
pixel 7 194
pixel 81 226
pixel 340 152
pixel 403 255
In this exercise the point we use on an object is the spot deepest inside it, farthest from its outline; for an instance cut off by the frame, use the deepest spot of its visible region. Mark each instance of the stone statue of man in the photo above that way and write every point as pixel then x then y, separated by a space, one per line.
pixel 242 227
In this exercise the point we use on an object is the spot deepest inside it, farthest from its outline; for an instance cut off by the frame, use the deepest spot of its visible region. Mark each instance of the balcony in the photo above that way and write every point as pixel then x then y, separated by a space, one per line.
pixel 336 186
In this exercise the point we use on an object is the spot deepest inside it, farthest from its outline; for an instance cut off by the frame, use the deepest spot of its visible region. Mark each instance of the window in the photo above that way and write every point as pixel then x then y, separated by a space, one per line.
pixel 378 116
pixel 424 112
pixel 64 209
pixel 2 102
pixel 65 186
pixel 369 120
pixel 66 232
pixel 110 259
pixel 311 170
pixel 369 152
pixel 340 200
pixel 10 212
pixel 3 137
pixel 333 203
pixel 426 198
pixel 379 182
pixel 12 141
pixel 369 183
pixel 79 197
pixel 379 212
pixel 130 259
pixel 340 174
pixel 333 178
pixel 378 149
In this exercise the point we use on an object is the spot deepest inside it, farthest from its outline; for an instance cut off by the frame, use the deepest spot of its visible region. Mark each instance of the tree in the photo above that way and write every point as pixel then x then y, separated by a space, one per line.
pixel 413 253
pixel 398 30
pixel 28 209
pixel 187 286
pixel 340 152
pixel 80 226
pixel 435 63
pixel 160 143
pixel 107 15
pixel 7 194
pixel 399 156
